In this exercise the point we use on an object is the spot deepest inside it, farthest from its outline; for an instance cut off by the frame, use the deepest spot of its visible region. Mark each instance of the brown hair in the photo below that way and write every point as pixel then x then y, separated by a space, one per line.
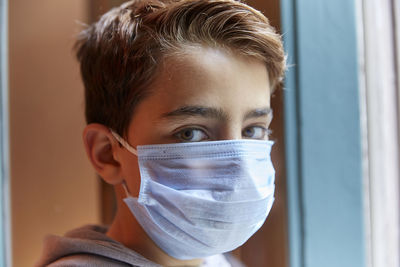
pixel 120 53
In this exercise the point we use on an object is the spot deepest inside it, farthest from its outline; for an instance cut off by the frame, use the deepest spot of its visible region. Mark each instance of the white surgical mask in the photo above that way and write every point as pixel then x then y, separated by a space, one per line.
pixel 204 198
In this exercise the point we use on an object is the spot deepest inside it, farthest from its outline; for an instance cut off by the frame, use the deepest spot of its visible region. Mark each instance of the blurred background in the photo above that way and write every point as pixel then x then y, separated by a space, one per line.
pixel 336 127
pixel 53 188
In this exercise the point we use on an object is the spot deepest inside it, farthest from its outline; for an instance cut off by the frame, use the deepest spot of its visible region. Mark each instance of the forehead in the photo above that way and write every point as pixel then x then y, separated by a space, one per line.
pixel 208 77
pixel 208 74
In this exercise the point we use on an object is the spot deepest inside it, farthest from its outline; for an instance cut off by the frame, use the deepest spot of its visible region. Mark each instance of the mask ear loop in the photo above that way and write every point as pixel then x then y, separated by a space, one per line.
pixel 130 149
pixel 125 186
pixel 124 143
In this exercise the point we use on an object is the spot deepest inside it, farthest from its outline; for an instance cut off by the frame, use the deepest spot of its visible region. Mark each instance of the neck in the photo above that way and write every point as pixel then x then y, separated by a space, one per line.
pixel 126 230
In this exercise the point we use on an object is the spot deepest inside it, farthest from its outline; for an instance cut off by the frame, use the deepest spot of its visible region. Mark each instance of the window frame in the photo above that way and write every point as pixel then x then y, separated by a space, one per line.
pixel 323 127
pixel 5 226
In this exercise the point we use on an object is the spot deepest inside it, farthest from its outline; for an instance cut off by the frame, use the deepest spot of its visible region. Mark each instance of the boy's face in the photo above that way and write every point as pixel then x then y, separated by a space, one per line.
pixel 204 95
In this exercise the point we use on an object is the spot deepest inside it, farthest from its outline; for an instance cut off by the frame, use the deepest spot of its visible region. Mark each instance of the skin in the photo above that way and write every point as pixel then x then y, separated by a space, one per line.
pixel 202 94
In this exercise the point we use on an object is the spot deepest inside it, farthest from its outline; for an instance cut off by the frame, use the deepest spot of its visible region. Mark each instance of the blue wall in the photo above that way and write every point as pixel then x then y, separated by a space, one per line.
pixel 323 144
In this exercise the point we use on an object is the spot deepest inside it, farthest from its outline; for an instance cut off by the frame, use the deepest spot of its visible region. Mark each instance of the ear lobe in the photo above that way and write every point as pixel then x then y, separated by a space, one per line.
pixel 100 148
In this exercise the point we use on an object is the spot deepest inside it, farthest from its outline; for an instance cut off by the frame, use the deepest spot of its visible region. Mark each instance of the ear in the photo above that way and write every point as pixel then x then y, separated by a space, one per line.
pixel 101 148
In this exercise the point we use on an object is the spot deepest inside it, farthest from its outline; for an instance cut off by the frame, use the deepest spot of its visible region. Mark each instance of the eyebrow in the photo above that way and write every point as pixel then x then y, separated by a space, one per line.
pixel 217 113
pixel 257 113
pixel 207 112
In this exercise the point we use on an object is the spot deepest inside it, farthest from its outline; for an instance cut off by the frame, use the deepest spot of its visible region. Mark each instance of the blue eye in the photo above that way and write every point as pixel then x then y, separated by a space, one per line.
pixel 256 132
pixel 191 135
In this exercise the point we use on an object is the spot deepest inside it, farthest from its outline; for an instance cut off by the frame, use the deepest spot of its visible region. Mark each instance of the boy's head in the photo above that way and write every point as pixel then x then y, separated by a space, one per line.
pixel 160 72
pixel 122 54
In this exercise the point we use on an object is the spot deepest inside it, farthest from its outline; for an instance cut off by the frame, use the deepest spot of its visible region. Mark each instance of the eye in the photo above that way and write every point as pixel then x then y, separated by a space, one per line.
pixel 256 132
pixel 191 135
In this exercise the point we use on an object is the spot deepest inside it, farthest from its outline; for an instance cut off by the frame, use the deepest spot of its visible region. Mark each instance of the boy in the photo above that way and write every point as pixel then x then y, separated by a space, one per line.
pixel 178 108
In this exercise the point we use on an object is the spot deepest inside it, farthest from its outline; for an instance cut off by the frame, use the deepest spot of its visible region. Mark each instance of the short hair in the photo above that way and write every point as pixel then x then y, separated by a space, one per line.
pixel 121 53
